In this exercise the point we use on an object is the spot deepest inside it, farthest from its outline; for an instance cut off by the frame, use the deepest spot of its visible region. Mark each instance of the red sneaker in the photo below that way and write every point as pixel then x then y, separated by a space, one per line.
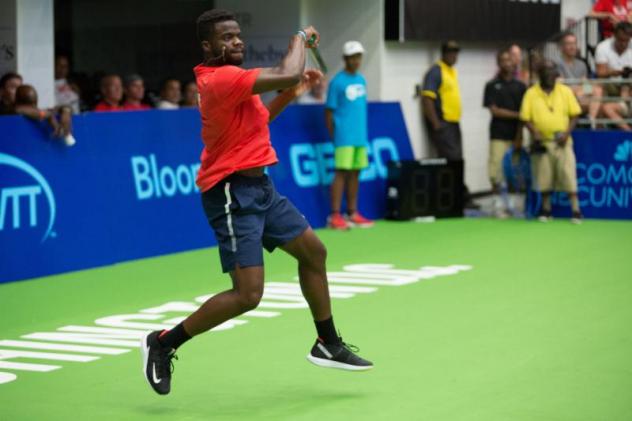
pixel 337 222
pixel 357 220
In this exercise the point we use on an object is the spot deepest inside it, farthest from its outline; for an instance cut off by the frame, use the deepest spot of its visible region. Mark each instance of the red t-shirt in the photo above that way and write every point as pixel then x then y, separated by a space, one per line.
pixel 234 124
pixel 617 7
pixel 104 106
pixel 135 107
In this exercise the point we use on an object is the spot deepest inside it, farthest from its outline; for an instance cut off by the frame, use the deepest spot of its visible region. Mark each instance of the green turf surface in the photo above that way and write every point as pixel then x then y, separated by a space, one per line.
pixel 539 329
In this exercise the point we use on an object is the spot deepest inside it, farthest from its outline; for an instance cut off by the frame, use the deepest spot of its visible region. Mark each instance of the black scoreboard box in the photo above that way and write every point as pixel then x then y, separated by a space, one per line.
pixel 428 187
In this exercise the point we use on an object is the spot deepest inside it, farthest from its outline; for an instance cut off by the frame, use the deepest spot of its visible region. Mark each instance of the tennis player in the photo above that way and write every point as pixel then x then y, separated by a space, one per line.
pixel 240 201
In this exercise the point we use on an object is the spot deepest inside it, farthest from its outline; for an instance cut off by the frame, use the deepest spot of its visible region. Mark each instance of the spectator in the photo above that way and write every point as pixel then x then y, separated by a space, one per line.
pixel 316 95
pixel 170 95
pixel 112 93
pixel 441 104
pixel 134 94
pixel 9 83
pixel 571 67
pixel 550 112
pixel 65 92
pixel 190 97
pixel 613 58
pixel 503 96
pixel 610 13
pixel 26 105
pixel 346 119
pixel 521 70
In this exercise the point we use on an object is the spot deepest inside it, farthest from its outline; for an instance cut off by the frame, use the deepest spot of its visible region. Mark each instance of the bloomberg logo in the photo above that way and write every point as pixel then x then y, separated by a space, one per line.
pixel 154 181
pixel 22 200
pixel 313 164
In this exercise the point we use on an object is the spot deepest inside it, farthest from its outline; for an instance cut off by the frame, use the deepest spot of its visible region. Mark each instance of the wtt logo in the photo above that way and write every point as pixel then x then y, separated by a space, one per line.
pixel 19 203
pixel 624 151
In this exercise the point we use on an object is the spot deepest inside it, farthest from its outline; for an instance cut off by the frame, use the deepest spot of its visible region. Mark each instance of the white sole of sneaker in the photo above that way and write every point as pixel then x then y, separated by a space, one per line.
pixel 335 364
pixel 145 356
pixel 354 225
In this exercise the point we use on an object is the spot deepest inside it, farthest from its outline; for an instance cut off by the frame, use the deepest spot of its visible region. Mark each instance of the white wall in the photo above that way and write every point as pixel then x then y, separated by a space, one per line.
pixel 8 44
pixel 36 47
pixel 341 21
pixel 575 9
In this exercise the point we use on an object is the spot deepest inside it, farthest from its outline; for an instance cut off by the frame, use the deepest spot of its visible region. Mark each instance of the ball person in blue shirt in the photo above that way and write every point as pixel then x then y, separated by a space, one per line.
pixel 346 118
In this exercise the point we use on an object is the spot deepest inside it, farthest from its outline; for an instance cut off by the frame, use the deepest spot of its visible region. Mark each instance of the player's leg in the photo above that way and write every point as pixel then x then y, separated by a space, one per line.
pixel 329 349
pixel 360 161
pixel 287 229
pixel 244 296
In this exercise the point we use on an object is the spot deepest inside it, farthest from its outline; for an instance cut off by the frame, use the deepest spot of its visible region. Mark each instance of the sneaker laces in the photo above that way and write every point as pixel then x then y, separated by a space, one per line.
pixel 349 347
pixel 168 369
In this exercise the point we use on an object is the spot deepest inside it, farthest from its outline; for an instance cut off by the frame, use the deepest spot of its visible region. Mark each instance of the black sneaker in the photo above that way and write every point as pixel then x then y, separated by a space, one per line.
pixel 577 218
pixel 157 364
pixel 545 216
pixel 340 355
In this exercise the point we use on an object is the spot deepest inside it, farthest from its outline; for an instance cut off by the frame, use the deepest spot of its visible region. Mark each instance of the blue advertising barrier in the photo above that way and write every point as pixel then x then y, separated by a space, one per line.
pixel 126 190
pixel 604 175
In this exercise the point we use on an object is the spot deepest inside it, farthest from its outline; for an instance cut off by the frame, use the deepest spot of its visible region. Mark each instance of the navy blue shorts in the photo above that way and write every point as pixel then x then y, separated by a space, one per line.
pixel 248 214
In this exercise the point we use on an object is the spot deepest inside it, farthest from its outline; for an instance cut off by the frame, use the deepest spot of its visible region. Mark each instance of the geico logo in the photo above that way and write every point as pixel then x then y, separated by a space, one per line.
pixel 313 164
pixel 17 201
pixel 151 180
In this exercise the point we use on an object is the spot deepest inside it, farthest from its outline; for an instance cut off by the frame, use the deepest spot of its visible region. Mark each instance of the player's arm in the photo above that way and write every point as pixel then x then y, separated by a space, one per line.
pixel 309 78
pixel 290 71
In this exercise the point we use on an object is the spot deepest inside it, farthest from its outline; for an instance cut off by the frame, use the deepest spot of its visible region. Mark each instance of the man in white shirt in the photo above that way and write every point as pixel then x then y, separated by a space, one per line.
pixel 614 60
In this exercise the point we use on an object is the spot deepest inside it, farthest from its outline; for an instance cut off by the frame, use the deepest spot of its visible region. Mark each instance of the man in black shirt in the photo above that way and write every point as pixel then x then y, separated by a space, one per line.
pixel 503 96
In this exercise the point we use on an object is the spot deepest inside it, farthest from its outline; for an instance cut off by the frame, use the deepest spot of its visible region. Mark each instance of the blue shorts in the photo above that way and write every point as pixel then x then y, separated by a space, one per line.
pixel 248 214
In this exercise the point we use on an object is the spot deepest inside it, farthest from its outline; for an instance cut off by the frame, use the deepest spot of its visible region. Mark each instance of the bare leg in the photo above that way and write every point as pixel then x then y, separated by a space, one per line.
pixel 311 255
pixel 595 102
pixel 337 188
pixel 244 296
pixel 353 185
pixel 613 112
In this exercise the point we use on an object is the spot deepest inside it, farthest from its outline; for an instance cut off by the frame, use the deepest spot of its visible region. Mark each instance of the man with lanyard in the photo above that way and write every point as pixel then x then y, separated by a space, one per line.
pixel 240 201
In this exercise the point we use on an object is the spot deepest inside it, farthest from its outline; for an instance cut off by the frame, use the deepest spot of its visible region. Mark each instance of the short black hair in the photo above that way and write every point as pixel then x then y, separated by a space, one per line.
pixel 207 20
pixel 623 27
pixel 504 50
pixel 7 77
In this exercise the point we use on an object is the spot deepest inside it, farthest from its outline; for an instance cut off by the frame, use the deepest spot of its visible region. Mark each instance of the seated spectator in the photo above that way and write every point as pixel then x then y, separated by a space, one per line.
pixel 112 93
pixel 610 13
pixel 613 57
pixel 190 97
pixel 134 94
pixel 170 95
pixel 66 93
pixel 316 95
pixel 571 67
pixel 26 105
pixel 9 83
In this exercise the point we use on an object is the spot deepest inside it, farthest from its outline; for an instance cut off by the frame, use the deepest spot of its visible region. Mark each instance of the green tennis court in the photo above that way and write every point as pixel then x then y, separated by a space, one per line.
pixel 507 320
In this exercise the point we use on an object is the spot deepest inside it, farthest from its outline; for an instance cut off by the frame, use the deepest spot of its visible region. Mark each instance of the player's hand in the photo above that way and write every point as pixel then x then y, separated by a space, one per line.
pixel 311 78
pixel 311 32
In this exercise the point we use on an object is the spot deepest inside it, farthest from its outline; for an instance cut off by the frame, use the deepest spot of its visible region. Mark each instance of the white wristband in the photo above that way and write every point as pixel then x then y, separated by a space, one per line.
pixel 303 34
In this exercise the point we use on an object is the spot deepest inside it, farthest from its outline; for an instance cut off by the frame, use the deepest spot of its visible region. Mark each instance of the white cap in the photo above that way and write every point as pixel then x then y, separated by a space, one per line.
pixel 352 48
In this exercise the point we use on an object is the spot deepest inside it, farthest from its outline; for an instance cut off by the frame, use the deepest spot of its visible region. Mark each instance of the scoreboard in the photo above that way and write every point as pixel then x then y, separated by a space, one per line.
pixel 429 187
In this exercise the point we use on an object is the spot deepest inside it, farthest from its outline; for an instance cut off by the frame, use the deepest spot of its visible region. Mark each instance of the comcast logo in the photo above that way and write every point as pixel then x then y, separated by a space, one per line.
pixel 624 151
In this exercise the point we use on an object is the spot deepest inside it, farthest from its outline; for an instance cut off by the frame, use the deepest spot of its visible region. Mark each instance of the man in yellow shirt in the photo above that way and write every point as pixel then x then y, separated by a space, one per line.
pixel 550 111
